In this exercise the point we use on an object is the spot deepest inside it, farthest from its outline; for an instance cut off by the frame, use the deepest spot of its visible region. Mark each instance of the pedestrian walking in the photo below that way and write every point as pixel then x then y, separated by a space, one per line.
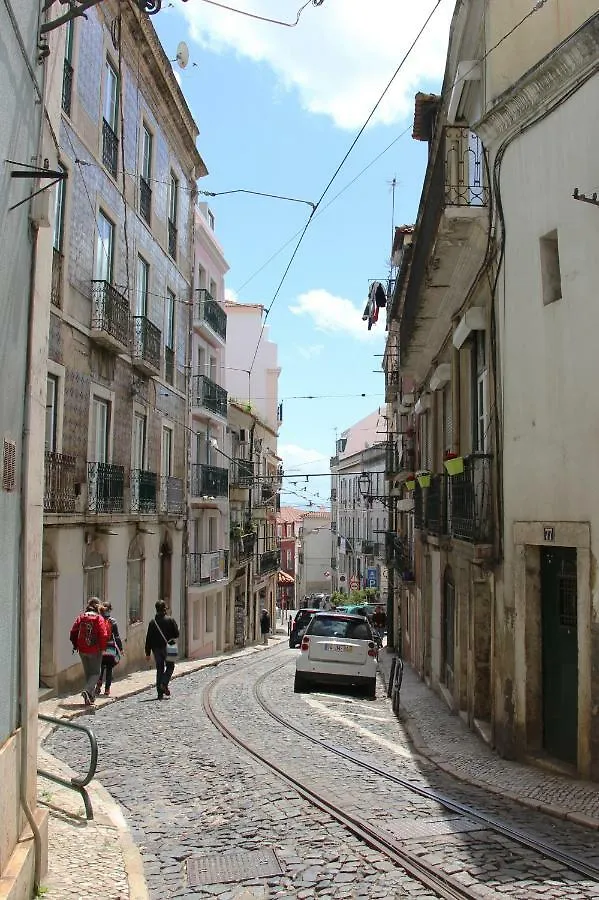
pixel 264 625
pixel 112 655
pixel 89 637
pixel 161 640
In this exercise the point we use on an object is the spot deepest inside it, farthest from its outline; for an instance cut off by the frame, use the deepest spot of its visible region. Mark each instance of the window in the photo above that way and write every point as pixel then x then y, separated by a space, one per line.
pixel 169 337
pixel 211 533
pixel 289 559
pixel 110 142
pixel 551 278
pixel 67 70
pixel 93 575
pixel 104 249
pixel 51 412
pixel 135 581
pixel 143 280
pixel 59 211
pixel 166 463
pixel 100 424
pixel 173 209
pixel 201 277
pixel 213 288
pixel 139 441
pixel 145 175
pixel 479 391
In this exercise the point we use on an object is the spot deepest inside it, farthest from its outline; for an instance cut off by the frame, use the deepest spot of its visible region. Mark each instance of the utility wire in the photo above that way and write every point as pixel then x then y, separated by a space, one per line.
pixel 243 12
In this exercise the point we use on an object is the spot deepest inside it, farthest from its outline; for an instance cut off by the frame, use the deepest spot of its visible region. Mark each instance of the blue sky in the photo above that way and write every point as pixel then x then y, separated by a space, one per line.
pixel 277 109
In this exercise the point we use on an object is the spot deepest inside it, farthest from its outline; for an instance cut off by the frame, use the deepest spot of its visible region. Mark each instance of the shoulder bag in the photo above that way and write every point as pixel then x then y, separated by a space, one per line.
pixel 172 647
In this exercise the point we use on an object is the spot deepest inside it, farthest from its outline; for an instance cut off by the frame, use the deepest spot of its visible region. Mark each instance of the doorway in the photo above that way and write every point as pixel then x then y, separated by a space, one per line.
pixel 166 568
pixel 559 620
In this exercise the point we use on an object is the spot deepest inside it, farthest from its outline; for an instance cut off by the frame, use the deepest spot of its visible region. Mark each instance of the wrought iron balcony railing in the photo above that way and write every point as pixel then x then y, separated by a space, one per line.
pixel 56 286
pixel 209 395
pixel 144 491
pixel 59 482
pixel 400 556
pixel 436 505
pixel 470 501
pixel 464 168
pixel 105 487
pixel 145 200
pixel 243 546
pixel 110 312
pixel 241 473
pixel 209 311
pixel 172 497
pixel 269 561
pixel 172 239
pixel 169 365
pixel 209 567
pixel 110 149
pixel 145 349
pixel 67 86
pixel 209 481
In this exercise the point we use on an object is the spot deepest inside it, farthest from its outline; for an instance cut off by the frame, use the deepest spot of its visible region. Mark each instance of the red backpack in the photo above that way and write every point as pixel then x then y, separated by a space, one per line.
pixel 90 632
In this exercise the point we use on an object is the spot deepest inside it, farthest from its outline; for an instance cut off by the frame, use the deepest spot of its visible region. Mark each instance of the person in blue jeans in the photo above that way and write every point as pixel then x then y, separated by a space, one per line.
pixel 162 629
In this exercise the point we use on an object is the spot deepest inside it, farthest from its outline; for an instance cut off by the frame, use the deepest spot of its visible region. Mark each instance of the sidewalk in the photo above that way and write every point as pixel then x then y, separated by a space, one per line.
pixel 98 858
pixel 440 735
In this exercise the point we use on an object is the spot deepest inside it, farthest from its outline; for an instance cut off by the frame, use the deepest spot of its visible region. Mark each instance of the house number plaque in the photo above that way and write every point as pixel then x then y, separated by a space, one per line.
pixel 548 533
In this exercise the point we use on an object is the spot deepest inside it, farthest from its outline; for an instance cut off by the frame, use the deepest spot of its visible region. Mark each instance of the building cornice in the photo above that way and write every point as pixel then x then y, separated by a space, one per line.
pixel 545 86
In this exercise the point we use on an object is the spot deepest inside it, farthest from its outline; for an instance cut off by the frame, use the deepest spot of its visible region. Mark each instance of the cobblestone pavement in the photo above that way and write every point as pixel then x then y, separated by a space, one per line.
pixel 187 792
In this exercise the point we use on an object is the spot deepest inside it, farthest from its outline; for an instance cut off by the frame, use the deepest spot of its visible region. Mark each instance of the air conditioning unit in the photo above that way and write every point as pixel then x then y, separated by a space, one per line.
pixel 243 435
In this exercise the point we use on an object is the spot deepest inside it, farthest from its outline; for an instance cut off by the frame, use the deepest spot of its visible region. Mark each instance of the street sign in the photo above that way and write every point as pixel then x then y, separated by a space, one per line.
pixel 372 578
pixel 354 584
pixel 327 574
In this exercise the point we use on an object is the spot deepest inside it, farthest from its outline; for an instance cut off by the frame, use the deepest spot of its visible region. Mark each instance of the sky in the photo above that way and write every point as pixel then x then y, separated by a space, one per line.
pixel 277 108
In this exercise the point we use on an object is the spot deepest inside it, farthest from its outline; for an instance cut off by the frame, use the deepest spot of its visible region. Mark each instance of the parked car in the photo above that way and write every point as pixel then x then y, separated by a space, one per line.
pixel 300 623
pixel 337 648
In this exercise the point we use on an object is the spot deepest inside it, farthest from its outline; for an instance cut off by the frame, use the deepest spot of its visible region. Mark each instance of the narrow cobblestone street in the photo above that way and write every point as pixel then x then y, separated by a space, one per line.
pixel 189 794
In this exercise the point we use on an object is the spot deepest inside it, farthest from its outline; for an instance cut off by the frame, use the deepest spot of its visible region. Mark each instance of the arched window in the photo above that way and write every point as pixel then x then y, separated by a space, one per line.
pixel 93 575
pixel 135 581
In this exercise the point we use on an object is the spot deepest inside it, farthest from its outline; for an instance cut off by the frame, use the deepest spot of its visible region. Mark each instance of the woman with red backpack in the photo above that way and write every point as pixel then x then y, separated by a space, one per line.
pixel 89 637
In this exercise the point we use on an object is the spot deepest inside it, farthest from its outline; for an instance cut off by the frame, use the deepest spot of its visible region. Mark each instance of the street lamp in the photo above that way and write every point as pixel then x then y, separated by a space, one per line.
pixel 364 484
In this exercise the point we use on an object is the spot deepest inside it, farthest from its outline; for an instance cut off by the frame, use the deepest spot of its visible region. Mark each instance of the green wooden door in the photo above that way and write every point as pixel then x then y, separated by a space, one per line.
pixel 559 652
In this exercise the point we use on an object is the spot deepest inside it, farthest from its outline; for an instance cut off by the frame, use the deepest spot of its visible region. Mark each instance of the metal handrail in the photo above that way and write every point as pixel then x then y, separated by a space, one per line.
pixel 75 784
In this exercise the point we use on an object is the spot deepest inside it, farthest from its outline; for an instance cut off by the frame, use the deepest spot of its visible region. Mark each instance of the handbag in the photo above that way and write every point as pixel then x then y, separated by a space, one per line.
pixel 172 647
pixel 113 651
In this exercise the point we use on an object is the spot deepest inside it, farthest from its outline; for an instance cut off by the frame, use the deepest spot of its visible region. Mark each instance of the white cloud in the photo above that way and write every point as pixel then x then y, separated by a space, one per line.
pixel 311 351
pixel 336 315
pixel 340 56
pixel 231 296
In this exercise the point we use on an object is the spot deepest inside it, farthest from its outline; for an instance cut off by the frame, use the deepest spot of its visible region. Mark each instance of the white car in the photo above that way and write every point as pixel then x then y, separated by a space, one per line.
pixel 337 648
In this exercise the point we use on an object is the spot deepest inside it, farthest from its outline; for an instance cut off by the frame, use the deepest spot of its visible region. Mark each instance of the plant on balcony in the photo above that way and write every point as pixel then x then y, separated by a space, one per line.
pixel 454 464
pixel 236 531
pixel 424 478
pixel 410 482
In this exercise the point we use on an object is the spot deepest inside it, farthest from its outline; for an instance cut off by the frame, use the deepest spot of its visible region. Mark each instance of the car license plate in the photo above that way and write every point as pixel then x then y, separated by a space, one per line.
pixel 339 648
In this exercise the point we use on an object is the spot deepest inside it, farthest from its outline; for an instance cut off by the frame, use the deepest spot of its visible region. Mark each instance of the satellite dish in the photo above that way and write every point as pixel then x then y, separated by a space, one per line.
pixel 182 57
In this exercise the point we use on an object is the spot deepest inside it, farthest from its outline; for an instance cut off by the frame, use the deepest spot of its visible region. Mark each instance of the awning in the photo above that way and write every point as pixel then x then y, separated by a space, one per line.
pixel 284 578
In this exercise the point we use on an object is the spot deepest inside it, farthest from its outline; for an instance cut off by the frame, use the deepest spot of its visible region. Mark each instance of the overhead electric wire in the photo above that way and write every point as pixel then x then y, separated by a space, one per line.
pixel 338 169
pixel 250 15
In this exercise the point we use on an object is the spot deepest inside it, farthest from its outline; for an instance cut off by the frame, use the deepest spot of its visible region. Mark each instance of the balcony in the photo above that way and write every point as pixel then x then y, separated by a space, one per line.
pixel 56 285
pixel 208 395
pixel 208 315
pixel 208 482
pixel 67 86
pixel 400 556
pixel 110 149
pixel 169 365
pixel 144 491
pixel 145 200
pixel 391 385
pixel 172 497
pixel 452 227
pixel 241 473
pixel 269 562
pixel 105 488
pixel 470 501
pixel 111 318
pixel 59 483
pixel 145 349
pixel 208 568
pixel 436 506
pixel 172 239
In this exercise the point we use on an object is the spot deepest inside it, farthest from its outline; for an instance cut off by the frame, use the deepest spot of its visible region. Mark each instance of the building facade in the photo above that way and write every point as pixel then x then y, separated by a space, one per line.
pixel 208 571
pixel 116 444
pixel 289 521
pixel 314 572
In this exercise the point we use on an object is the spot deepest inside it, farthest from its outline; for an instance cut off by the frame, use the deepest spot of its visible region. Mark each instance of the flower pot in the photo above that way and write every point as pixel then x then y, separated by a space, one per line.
pixel 455 465
pixel 410 484
pixel 424 479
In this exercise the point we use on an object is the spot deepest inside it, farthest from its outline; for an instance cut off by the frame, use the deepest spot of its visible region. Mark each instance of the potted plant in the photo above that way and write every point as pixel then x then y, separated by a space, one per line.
pixel 410 482
pixel 424 478
pixel 454 464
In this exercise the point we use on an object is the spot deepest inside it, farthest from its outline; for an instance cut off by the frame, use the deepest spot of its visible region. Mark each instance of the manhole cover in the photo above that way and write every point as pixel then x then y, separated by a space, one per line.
pixel 410 829
pixel 224 867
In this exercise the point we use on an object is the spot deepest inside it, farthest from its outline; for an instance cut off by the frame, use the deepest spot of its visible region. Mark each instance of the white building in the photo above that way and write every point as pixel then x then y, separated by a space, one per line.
pixel 314 554
pixel 253 370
